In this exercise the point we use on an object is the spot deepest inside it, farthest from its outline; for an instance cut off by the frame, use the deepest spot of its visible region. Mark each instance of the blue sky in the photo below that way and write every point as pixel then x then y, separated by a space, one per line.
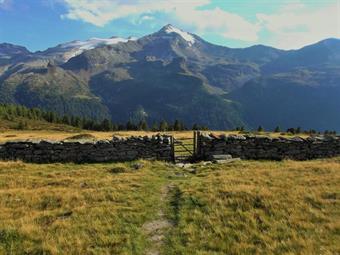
pixel 286 24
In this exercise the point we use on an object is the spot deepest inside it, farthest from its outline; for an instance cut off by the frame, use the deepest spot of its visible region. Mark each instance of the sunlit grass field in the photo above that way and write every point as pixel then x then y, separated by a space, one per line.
pixel 245 207
pixel 76 209
pixel 11 134
pixel 253 207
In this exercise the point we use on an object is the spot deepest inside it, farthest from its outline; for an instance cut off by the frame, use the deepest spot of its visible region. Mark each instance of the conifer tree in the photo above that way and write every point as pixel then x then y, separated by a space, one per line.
pixel 129 126
pixel 154 126
pixel 66 120
pixel 143 125
pixel 106 125
pixel 163 126
pixel 260 129
pixel 177 126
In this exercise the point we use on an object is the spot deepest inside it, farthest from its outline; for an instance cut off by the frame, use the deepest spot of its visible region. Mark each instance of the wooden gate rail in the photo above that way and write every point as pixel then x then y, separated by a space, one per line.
pixel 185 147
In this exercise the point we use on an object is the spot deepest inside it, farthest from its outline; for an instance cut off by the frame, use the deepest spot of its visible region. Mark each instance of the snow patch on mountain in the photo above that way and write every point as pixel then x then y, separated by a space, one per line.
pixel 94 43
pixel 186 36
pixel 71 49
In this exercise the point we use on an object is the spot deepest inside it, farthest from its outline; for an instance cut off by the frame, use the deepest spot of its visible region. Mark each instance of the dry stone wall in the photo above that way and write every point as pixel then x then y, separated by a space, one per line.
pixel 263 147
pixel 117 149
pixel 160 148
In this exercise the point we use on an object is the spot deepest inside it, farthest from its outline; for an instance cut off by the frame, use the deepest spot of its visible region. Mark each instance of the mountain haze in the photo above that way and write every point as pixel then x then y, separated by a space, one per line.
pixel 172 74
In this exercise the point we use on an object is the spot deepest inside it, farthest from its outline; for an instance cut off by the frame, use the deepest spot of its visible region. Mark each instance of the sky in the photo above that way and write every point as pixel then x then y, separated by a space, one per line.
pixel 285 24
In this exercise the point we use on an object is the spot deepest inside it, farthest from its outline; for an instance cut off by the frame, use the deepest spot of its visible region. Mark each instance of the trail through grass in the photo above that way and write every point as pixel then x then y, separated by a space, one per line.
pixel 157 228
pixel 246 207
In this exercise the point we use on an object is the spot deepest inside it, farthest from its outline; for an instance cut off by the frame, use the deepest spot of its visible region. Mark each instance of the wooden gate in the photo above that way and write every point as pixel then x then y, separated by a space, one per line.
pixel 185 149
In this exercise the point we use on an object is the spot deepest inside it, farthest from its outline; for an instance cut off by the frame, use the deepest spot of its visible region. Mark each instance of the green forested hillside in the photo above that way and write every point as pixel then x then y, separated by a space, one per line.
pixel 20 117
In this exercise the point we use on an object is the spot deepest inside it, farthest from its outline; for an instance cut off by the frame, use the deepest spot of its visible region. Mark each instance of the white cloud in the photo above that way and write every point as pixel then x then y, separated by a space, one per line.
pixel 216 20
pixel 147 17
pixel 101 12
pixel 142 19
pixel 297 25
pixel 292 26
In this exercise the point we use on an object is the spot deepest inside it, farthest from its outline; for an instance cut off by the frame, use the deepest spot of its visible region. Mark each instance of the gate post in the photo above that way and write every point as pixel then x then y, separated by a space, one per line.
pixel 194 144
pixel 197 144
pixel 172 141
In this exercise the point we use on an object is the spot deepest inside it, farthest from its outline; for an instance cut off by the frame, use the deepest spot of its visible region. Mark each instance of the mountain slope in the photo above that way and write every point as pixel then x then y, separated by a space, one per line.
pixel 63 52
pixel 321 54
pixel 163 92
pixel 10 52
pixel 172 74
pixel 305 98
pixel 53 89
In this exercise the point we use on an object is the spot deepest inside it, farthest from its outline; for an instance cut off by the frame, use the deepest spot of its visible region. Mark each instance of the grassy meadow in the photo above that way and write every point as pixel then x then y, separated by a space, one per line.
pixel 76 209
pixel 244 207
pixel 9 135
pixel 51 134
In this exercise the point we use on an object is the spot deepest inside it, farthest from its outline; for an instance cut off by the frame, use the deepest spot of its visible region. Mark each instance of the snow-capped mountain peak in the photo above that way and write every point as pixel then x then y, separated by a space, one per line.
pixel 186 36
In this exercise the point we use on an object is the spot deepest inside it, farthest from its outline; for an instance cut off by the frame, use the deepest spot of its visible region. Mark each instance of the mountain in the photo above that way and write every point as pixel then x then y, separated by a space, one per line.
pixel 172 74
pixel 10 52
pixel 304 98
pixel 63 52
pixel 322 54
pixel 299 88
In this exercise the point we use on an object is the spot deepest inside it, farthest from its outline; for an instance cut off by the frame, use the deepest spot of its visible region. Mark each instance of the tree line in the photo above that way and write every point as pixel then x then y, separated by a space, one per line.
pixel 11 112
pixel 294 131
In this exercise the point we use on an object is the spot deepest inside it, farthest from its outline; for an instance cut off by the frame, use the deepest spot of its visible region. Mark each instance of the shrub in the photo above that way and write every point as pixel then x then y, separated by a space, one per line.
pixel 118 170
pixel 80 137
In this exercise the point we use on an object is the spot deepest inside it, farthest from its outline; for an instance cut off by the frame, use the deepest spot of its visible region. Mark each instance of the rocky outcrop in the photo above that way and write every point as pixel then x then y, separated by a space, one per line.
pixel 118 149
pixel 264 147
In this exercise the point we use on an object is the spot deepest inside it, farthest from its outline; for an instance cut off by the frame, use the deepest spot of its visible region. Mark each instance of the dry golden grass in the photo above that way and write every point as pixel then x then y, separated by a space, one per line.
pixel 246 207
pixel 253 207
pixel 10 135
pixel 76 209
